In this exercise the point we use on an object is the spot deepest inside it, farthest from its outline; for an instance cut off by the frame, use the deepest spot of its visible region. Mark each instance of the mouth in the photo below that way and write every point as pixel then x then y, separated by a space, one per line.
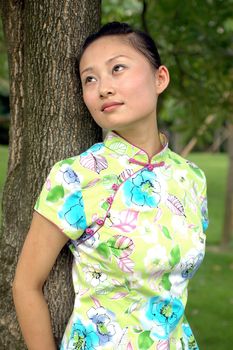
pixel 110 106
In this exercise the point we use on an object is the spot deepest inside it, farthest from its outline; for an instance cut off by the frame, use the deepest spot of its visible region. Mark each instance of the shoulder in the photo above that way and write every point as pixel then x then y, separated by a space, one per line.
pixel 73 161
pixel 77 168
pixel 193 171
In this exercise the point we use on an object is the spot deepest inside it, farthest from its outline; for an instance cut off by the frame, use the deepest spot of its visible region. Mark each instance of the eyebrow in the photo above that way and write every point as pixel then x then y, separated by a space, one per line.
pixel 90 69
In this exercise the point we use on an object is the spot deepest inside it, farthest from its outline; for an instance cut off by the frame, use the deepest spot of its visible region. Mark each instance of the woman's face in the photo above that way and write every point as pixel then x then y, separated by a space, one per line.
pixel 120 87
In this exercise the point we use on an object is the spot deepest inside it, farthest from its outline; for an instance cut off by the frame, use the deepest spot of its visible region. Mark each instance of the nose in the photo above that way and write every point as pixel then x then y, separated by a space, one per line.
pixel 106 88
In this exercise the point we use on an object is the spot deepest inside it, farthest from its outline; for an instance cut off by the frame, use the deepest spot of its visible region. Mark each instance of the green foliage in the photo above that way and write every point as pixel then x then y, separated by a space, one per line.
pixel 195 40
pixel 123 11
pixel 195 46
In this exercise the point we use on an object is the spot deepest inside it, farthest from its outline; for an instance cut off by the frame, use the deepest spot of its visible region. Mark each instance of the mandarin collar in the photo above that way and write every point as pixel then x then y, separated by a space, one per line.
pixel 121 146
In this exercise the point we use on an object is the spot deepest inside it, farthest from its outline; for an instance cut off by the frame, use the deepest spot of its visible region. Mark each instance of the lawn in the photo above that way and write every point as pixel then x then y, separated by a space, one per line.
pixel 215 168
pixel 210 305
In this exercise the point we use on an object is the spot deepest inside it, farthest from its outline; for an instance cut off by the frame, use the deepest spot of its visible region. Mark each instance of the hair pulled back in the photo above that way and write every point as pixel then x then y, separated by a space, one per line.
pixel 141 41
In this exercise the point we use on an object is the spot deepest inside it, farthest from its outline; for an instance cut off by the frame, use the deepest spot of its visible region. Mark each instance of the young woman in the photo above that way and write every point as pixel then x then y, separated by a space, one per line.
pixel 133 211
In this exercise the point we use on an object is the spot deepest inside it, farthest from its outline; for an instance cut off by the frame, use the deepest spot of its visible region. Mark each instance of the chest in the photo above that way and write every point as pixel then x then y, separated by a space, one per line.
pixel 146 222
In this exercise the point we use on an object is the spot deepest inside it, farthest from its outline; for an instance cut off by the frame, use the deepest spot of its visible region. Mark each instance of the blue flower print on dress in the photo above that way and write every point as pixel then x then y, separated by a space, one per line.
pixel 73 211
pixel 93 149
pixel 104 325
pixel 83 337
pixel 164 315
pixel 190 267
pixel 189 340
pixel 142 189
pixel 204 212
pixel 70 176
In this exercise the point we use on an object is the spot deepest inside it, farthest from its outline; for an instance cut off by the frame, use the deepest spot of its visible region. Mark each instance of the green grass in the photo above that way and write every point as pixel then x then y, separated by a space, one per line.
pixel 215 168
pixel 210 302
pixel 210 305
pixel 3 164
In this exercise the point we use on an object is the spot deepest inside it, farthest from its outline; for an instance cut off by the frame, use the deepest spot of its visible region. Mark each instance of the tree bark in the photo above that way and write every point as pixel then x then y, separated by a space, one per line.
pixel 227 234
pixel 49 122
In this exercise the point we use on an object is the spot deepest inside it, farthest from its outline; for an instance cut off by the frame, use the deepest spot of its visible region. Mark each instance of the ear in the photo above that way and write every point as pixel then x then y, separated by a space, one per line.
pixel 162 79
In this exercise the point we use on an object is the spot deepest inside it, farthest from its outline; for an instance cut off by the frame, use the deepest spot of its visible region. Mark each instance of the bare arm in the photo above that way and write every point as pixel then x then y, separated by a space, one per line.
pixel 41 248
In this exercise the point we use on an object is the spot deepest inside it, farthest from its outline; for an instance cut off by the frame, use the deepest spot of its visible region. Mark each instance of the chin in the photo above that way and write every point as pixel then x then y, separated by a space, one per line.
pixel 116 122
pixel 111 125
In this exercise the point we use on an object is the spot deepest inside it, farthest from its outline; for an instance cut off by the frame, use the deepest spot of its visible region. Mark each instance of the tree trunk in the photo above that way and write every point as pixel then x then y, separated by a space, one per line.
pixel 228 221
pixel 49 122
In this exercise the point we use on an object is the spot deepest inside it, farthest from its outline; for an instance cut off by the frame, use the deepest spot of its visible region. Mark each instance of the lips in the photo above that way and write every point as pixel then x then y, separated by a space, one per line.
pixel 110 105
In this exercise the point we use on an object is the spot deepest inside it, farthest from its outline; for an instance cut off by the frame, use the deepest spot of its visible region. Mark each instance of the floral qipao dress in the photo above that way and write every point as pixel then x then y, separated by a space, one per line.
pixel 136 227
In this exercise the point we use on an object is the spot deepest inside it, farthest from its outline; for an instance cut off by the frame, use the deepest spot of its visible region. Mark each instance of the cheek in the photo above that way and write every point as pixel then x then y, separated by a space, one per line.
pixel 140 83
pixel 91 104
pixel 140 89
pixel 89 100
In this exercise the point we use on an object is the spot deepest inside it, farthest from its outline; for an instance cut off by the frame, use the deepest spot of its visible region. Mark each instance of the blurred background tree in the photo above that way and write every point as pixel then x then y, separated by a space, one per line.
pixel 195 40
pixel 196 43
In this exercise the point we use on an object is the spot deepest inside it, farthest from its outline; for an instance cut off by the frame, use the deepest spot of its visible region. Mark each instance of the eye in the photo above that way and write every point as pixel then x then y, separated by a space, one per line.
pixel 89 79
pixel 119 67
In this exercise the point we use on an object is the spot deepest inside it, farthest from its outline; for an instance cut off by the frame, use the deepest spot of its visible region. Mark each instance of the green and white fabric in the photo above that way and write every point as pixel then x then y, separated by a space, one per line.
pixel 137 233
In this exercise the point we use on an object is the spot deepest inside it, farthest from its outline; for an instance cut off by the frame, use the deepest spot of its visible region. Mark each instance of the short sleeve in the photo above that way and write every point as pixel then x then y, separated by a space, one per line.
pixel 204 206
pixel 61 200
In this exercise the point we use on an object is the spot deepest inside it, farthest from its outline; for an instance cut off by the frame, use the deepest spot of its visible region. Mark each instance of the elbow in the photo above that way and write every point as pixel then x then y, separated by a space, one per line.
pixel 22 288
pixel 16 292
pixel 17 288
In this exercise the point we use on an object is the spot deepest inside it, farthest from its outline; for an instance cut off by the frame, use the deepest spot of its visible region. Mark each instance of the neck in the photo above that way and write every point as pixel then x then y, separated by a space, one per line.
pixel 146 139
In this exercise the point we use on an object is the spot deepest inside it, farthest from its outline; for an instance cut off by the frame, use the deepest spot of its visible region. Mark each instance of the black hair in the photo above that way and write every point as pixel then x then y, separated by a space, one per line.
pixel 141 41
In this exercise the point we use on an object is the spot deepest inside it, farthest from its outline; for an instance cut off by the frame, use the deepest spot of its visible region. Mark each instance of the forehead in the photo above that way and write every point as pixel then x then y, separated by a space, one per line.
pixel 108 47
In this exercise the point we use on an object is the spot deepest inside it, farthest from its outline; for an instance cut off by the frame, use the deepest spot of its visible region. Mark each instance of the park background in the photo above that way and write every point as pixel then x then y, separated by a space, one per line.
pixel 195 40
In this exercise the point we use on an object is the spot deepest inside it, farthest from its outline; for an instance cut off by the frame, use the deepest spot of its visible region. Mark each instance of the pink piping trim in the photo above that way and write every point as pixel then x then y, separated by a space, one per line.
pixel 155 165
pixel 149 158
